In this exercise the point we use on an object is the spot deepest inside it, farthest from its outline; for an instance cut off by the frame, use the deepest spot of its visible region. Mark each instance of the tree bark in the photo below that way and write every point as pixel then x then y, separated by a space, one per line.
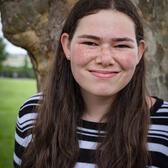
pixel 35 26
pixel 155 14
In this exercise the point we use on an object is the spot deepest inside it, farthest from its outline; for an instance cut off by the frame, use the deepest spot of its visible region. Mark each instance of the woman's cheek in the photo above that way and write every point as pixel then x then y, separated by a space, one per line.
pixel 81 55
pixel 128 61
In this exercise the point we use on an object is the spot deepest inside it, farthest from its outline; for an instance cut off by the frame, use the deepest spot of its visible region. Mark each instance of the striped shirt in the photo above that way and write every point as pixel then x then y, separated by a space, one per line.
pixel 89 137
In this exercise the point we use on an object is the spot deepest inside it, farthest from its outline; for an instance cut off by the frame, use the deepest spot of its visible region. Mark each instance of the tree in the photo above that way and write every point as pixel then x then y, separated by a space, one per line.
pixel 34 26
pixel 3 53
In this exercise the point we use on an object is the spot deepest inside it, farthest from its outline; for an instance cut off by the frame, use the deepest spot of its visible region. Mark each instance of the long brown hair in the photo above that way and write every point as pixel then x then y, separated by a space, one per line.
pixel 55 143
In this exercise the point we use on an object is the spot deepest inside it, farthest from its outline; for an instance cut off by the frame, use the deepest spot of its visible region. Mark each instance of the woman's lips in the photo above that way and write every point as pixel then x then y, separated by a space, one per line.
pixel 104 73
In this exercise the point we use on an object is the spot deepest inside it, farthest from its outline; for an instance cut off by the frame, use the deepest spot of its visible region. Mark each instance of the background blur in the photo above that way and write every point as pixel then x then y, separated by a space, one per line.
pixel 17 83
pixel 34 25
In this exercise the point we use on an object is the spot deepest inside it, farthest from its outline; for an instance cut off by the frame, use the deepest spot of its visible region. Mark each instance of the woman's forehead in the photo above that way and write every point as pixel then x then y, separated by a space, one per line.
pixel 106 22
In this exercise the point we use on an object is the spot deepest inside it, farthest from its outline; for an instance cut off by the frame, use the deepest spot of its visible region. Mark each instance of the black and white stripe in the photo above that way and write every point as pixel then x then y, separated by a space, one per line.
pixel 89 136
pixel 158 134
pixel 25 121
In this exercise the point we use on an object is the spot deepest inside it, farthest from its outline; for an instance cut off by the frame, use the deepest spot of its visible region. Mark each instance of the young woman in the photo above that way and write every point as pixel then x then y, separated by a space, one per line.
pixel 95 111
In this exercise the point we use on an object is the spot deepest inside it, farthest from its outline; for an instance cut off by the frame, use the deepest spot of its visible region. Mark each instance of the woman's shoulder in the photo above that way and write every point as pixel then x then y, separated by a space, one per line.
pixel 25 122
pixel 26 119
pixel 30 105
pixel 28 111
pixel 159 121
pixel 158 133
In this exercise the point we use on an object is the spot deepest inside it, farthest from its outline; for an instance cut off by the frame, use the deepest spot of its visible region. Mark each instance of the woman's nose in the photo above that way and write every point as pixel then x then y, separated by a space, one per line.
pixel 106 56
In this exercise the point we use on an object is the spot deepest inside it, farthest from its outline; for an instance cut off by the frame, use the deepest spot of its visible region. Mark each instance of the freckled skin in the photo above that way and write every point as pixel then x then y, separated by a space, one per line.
pixel 104 54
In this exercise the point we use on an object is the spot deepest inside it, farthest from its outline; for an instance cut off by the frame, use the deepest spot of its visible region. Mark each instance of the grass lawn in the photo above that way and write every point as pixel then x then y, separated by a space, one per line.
pixel 12 95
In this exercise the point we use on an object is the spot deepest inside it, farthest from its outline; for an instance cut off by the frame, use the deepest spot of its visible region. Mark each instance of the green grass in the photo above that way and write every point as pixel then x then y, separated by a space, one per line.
pixel 12 95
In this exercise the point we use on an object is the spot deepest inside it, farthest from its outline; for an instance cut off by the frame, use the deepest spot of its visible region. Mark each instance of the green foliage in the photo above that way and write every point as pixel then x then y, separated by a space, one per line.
pixel 3 53
pixel 25 71
pixel 12 95
pixel 17 72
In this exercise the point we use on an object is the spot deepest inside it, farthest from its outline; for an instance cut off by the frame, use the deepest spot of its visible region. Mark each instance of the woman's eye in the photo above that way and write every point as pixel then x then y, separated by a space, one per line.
pixel 122 46
pixel 90 43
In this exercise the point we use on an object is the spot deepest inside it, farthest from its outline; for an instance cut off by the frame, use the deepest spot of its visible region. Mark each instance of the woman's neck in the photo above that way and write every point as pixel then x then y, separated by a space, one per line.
pixel 96 107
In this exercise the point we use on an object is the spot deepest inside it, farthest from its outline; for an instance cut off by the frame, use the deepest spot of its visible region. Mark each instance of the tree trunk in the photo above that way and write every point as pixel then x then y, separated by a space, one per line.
pixel 35 26
pixel 155 15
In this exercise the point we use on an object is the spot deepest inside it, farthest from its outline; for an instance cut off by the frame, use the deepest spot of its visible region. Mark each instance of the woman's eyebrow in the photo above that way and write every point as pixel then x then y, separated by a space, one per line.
pixel 89 37
pixel 116 39
pixel 120 39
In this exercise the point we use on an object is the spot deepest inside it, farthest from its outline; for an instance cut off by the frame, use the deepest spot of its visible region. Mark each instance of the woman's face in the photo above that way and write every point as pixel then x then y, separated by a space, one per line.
pixel 103 52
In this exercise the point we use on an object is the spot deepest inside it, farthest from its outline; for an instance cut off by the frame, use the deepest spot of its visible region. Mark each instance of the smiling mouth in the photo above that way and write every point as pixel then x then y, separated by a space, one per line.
pixel 103 73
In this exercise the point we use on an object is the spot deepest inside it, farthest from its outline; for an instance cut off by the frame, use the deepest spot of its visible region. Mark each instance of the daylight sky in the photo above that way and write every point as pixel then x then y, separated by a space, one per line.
pixel 10 48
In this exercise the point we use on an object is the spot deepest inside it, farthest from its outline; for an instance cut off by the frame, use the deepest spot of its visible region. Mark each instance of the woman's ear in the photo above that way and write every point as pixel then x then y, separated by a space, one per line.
pixel 65 42
pixel 141 49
